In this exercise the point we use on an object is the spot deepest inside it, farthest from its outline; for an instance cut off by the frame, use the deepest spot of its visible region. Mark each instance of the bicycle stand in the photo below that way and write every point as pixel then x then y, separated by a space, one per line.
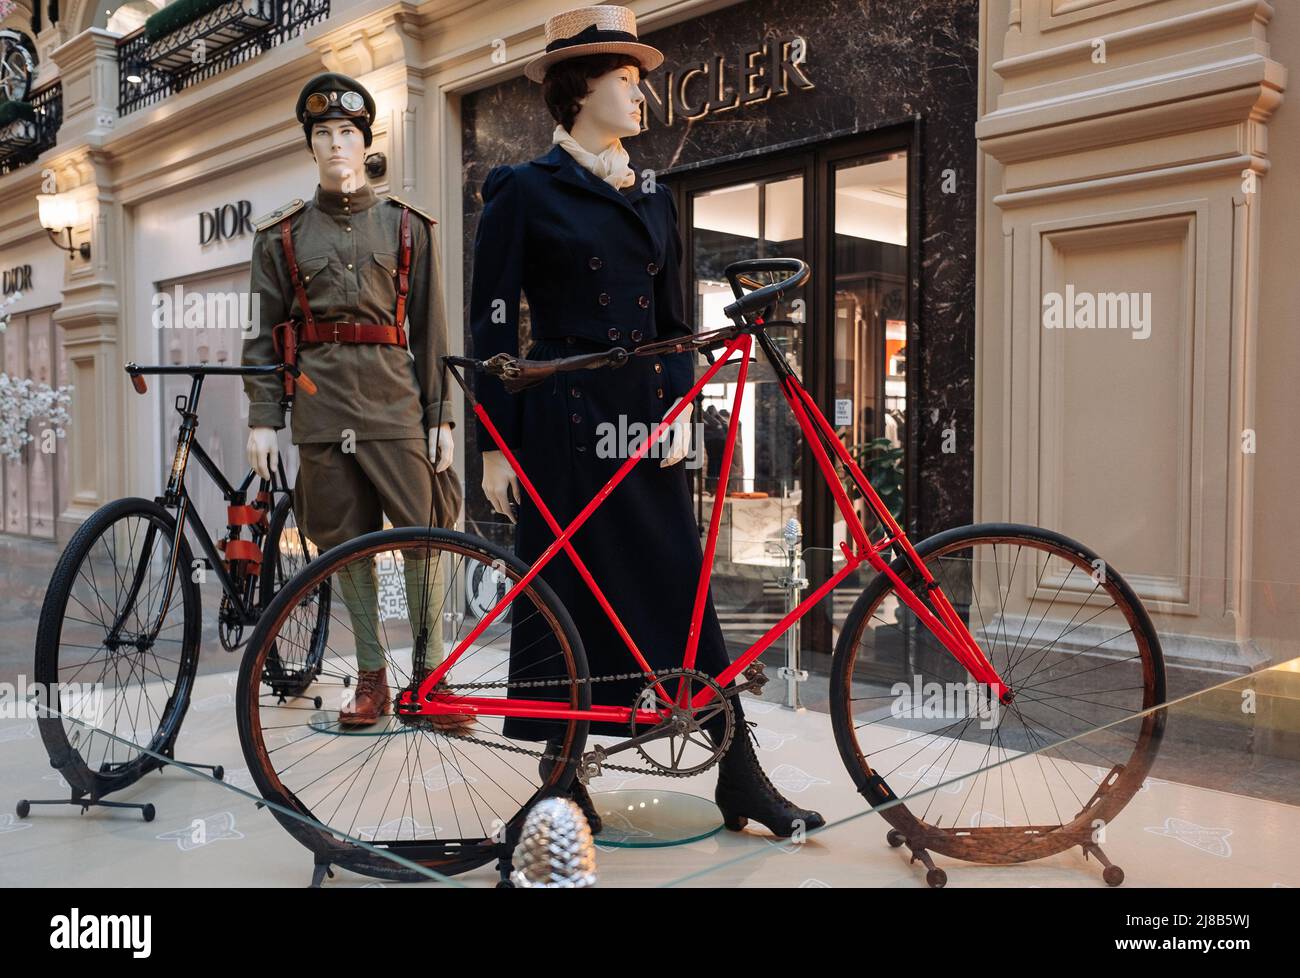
pixel 318 873
pixel 1111 873
pixel 24 806
pixel 937 878
pixel 934 876
pixel 85 799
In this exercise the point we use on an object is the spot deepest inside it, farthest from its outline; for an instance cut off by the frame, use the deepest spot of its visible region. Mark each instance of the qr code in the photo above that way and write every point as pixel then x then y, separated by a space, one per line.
pixel 392 587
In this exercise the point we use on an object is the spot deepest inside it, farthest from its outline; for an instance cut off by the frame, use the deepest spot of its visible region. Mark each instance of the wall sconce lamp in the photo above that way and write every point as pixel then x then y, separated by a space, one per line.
pixel 58 213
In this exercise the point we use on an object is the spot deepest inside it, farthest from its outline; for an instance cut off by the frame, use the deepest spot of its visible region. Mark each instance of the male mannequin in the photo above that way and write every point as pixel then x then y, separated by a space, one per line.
pixel 370 338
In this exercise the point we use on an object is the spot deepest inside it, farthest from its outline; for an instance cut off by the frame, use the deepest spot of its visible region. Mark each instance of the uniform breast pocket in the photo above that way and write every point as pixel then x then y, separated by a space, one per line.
pixel 319 276
pixel 381 279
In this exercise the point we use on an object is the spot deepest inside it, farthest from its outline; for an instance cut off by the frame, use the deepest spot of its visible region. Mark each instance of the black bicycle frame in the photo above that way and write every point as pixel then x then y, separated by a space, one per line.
pixel 177 497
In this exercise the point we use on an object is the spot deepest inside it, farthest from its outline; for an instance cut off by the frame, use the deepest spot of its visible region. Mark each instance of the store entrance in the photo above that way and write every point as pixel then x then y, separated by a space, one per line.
pixel 844 208
pixel 223 409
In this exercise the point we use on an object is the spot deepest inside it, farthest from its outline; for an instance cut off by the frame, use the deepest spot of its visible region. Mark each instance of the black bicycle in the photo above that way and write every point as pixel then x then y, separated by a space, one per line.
pixel 121 625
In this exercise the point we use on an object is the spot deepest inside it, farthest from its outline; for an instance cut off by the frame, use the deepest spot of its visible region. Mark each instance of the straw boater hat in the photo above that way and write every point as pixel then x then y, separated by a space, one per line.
pixel 603 29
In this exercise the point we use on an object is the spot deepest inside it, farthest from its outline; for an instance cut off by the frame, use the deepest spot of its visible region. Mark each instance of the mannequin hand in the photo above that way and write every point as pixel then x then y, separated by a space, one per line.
pixel 499 481
pixel 677 439
pixel 263 451
pixel 442 447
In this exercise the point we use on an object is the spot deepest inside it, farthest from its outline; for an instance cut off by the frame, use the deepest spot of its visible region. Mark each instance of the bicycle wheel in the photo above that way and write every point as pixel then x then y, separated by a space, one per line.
pixel 100 629
pixel 450 799
pixel 292 667
pixel 1078 650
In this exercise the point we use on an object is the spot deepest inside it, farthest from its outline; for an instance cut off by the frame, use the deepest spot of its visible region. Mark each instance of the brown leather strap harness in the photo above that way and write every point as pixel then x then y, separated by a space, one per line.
pixel 291 334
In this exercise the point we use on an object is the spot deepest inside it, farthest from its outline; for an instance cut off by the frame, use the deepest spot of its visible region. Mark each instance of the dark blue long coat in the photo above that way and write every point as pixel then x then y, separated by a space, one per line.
pixel 600 268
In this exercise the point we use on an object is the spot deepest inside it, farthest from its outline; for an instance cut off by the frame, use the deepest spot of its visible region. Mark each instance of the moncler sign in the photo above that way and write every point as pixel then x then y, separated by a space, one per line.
pixel 726 82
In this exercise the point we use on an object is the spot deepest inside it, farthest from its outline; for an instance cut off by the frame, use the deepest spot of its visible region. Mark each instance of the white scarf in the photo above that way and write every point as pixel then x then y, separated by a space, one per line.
pixel 609 165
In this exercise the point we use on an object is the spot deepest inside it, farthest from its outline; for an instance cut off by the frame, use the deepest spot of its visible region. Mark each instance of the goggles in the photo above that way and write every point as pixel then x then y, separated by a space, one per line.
pixel 350 102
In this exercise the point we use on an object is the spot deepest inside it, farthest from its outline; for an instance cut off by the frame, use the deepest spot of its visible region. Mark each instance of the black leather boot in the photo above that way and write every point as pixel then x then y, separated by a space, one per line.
pixel 577 792
pixel 744 792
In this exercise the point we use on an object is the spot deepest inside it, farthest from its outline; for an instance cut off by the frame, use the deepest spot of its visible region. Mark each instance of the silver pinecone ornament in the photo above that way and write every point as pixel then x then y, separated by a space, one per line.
pixel 555 849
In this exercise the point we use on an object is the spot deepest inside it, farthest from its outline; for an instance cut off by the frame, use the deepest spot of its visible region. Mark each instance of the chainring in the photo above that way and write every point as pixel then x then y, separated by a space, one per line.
pixel 687 721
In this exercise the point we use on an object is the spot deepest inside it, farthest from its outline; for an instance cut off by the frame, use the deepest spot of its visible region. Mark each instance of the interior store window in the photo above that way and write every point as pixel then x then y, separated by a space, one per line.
pixel 35 485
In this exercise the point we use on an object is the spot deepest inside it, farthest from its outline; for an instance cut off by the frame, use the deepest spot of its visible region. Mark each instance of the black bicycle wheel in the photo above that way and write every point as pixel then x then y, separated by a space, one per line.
pixel 1079 652
pixel 449 797
pixel 292 667
pixel 103 630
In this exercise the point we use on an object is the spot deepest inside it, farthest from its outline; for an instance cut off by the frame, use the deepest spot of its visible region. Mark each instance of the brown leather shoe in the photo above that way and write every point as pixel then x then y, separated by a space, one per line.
pixel 370 702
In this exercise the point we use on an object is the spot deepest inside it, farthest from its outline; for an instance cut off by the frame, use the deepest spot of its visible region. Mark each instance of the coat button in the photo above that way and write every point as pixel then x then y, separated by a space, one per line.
pixel 652 268
pixel 574 392
pixel 581 448
pixel 594 263
pixel 576 418
pixel 570 340
pixel 659 368
pixel 614 334
pixel 643 301
pixel 603 298
pixel 636 336
pixel 349 266
pixel 659 392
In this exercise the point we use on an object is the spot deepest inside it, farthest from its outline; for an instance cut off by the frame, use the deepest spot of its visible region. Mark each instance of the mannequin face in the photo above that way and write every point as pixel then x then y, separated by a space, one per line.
pixel 340 151
pixel 610 110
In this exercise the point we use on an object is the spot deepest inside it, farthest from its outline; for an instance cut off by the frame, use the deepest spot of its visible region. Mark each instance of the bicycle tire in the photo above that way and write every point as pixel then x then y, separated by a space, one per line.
pixel 50 667
pixel 448 857
pixel 1006 843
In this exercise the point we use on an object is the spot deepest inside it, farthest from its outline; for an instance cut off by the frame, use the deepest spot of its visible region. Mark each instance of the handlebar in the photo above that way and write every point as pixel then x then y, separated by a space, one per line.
pixel 136 372
pixel 740 274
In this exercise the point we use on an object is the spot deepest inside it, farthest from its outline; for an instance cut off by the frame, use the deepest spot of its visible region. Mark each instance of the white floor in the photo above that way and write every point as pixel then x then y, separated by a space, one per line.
pixel 208 835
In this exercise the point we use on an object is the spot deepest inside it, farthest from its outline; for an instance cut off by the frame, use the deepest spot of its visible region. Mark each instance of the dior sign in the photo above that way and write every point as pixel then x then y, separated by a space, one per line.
pixel 225 222
pixel 17 279
pixel 724 83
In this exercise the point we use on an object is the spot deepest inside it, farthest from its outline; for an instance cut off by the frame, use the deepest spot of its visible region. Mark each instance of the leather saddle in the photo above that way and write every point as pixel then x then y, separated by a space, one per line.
pixel 519 374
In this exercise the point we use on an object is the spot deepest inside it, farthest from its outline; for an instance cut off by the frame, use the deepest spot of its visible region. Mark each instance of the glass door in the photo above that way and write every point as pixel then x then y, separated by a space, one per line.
pixel 869 351
pixel 761 217
pixel 844 206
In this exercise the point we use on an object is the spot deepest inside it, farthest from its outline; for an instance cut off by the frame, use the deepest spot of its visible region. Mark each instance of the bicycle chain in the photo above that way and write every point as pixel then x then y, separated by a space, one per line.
pixel 541 755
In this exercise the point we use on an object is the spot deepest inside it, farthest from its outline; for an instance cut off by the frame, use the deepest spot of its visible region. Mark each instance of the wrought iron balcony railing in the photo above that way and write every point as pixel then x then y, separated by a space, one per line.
pixel 235 32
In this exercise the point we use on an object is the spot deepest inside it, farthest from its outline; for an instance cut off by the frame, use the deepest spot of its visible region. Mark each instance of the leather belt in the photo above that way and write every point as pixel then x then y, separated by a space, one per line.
pixel 349 332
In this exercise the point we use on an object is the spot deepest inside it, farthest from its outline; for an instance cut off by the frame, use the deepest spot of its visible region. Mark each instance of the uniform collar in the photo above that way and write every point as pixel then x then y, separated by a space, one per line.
pixel 339 204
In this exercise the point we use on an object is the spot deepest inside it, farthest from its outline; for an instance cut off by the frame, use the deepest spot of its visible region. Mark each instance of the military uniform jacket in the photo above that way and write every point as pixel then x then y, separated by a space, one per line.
pixel 594 262
pixel 347 250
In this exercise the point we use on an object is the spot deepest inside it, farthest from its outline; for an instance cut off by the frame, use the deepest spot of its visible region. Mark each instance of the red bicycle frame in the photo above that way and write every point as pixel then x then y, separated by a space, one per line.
pixel 942 619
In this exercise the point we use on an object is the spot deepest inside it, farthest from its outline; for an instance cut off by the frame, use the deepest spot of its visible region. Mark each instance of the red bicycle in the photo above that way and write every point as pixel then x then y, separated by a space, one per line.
pixel 1027 638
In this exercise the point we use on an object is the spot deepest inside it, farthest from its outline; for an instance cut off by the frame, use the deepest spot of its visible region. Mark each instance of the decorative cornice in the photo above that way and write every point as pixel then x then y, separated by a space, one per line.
pixel 1142 36
pixel 1242 90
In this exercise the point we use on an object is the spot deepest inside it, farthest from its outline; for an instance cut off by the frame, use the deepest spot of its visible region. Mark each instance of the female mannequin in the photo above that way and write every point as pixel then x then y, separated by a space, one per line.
pixel 598 253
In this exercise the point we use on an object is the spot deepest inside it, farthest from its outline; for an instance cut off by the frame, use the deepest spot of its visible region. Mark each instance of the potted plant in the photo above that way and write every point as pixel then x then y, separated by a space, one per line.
pixel 882 463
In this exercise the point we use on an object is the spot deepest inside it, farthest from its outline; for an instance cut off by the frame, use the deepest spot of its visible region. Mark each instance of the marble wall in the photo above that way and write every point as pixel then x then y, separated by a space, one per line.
pixel 871 64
